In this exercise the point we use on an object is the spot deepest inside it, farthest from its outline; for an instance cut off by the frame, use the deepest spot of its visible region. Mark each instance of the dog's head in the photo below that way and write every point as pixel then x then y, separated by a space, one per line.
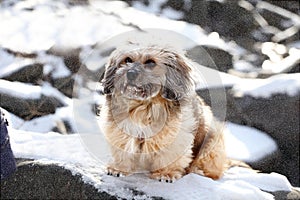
pixel 143 73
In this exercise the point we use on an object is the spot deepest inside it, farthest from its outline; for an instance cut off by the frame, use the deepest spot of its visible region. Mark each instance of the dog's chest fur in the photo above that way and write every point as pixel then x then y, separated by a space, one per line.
pixel 145 129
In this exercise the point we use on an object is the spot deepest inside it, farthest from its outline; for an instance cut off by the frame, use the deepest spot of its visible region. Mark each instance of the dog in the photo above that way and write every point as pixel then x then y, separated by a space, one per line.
pixel 153 119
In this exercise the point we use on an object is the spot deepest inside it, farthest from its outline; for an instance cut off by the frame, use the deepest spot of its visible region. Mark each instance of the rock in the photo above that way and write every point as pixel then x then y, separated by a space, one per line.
pixel 64 85
pixel 293 195
pixel 49 181
pixel 220 108
pixel 34 180
pixel 289 5
pixel 20 54
pixel 29 108
pixel 227 18
pixel 38 181
pixel 32 73
pixel 176 5
pixel 70 57
pixel 274 19
pixel 211 57
pixel 278 116
pixel 63 127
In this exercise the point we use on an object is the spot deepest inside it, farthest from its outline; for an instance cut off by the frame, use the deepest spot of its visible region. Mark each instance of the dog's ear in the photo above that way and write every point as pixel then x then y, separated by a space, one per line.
pixel 178 80
pixel 109 76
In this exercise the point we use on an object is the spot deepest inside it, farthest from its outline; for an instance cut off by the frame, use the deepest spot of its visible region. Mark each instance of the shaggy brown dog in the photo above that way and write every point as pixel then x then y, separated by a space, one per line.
pixel 153 119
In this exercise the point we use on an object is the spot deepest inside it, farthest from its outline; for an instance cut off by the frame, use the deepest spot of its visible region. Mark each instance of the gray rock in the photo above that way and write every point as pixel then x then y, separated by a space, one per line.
pixel 288 5
pixel 278 116
pixel 70 57
pixel 64 85
pixel 293 195
pixel 29 108
pixel 211 57
pixel 227 18
pixel 29 74
pixel 37 181
pixel 34 180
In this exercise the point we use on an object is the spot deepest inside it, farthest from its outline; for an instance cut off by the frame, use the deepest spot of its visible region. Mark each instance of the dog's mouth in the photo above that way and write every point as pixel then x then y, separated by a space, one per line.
pixel 134 91
pixel 138 92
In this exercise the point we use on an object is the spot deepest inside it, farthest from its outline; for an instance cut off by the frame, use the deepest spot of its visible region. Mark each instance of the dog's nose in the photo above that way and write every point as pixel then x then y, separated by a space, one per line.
pixel 132 74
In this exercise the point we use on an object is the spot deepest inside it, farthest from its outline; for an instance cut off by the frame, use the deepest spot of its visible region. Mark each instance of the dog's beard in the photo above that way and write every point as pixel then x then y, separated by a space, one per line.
pixel 140 92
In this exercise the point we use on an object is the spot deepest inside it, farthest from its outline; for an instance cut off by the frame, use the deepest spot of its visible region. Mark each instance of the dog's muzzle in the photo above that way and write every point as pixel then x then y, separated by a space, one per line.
pixel 132 74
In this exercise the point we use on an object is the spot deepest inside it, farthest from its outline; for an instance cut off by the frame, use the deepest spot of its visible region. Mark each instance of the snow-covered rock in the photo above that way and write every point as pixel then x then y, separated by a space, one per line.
pixel 61 182
pixel 29 101
pixel 270 105
pixel 69 152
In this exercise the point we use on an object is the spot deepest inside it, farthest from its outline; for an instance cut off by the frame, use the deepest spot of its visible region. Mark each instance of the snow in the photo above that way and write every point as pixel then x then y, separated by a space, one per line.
pixel 54 65
pixel 264 88
pixel 55 24
pixel 29 91
pixel 247 144
pixel 155 6
pixel 210 78
pixel 48 90
pixel 69 152
pixel 21 90
pixel 10 64
pixel 258 88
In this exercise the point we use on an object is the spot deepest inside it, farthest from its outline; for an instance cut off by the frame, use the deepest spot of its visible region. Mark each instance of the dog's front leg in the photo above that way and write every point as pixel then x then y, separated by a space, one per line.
pixel 121 165
pixel 173 171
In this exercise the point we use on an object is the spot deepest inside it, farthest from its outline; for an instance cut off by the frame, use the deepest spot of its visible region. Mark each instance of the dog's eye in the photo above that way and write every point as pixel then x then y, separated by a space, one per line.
pixel 150 63
pixel 128 60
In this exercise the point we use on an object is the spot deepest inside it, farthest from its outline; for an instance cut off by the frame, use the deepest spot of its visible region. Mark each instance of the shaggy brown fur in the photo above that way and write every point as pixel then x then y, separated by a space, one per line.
pixel 153 119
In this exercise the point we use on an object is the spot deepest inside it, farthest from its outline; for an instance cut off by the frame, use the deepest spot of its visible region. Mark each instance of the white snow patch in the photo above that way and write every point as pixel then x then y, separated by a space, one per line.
pixel 11 64
pixel 28 91
pixel 20 90
pixel 247 144
pixel 242 65
pixel 54 23
pixel 155 7
pixel 14 121
pixel 54 65
pixel 172 13
pixel 47 123
pixel 263 181
pixel 210 78
pixel 279 84
pixel 50 146
pixel 50 91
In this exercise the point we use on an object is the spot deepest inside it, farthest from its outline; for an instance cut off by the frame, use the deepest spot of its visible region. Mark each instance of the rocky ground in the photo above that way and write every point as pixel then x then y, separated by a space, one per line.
pixel 39 181
pixel 259 41
pixel 33 181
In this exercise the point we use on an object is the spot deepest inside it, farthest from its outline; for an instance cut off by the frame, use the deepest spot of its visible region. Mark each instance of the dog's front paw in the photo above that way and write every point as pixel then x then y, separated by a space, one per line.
pixel 114 172
pixel 166 176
